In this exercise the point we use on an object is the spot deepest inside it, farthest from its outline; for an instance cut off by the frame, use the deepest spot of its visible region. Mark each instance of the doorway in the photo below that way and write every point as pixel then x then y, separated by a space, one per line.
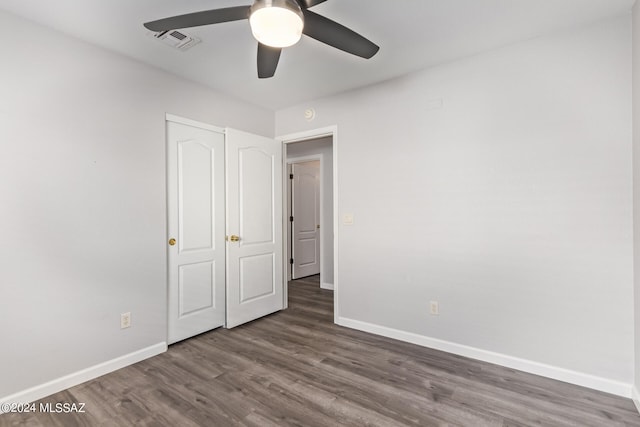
pixel 319 144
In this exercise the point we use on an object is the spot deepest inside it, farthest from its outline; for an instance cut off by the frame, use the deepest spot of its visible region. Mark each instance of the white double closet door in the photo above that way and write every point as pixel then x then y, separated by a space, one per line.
pixel 224 227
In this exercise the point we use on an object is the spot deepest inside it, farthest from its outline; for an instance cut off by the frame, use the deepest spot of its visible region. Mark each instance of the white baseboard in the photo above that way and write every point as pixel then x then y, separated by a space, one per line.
pixel 635 396
pixel 63 383
pixel 549 371
pixel 325 285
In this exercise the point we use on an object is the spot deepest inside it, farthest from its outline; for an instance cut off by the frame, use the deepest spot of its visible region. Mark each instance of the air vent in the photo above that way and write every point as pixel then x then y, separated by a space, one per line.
pixel 176 39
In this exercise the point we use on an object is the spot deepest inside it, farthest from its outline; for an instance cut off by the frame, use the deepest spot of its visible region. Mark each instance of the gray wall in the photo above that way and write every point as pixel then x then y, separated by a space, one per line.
pixel 82 187
pixel 500 186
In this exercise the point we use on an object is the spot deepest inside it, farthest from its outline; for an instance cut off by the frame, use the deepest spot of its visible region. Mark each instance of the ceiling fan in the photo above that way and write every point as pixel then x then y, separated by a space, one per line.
pixel 276 24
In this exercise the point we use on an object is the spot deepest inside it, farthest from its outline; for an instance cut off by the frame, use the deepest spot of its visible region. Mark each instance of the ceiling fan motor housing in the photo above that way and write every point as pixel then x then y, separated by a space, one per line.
pixel 276 23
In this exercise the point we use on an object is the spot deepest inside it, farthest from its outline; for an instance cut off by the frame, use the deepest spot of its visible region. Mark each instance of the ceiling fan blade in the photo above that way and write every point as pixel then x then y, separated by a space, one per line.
pixel 336 35
pixel 268 58
pixel 196 19
pixel 311 3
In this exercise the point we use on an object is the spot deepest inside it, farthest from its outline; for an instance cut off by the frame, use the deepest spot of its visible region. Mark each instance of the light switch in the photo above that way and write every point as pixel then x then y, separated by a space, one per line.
pixel 347 219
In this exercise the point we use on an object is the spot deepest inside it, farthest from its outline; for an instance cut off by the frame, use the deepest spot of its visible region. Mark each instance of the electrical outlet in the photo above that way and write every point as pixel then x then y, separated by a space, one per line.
pixel 434 308
pixel 125 320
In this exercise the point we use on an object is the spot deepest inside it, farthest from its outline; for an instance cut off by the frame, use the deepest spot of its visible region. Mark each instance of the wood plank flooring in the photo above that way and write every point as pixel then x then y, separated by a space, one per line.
pixel 296 368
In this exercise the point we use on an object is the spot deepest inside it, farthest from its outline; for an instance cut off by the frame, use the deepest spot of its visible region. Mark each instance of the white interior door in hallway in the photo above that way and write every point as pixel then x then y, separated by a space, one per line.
pixel 217 278
pixel 305 215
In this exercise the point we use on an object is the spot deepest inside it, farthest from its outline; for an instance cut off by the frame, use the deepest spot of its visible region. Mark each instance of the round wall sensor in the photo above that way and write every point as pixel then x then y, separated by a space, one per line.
pixel 309 114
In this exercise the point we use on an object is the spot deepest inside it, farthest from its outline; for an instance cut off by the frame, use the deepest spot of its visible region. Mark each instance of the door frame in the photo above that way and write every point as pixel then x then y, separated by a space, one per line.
pixel 303 159
pixel 331 131
pixel 189 122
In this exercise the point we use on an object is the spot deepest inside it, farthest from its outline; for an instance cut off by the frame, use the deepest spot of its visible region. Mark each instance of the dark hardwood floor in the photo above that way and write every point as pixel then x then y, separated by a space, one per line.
pixel 297 368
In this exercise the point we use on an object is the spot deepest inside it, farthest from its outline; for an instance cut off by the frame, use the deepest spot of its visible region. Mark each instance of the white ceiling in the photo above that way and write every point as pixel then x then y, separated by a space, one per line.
pixel 412 34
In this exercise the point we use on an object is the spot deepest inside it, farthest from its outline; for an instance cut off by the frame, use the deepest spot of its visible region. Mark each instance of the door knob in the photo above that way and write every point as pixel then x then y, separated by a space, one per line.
pixel 234 238
pixel 172 242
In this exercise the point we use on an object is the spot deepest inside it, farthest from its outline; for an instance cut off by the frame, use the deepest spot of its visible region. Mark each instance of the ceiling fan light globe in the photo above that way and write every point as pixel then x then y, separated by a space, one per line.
pixel 276 25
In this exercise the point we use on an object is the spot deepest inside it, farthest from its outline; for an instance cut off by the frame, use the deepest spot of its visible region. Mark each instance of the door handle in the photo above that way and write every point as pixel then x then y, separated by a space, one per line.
pixel 172 242
pixel 234 238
